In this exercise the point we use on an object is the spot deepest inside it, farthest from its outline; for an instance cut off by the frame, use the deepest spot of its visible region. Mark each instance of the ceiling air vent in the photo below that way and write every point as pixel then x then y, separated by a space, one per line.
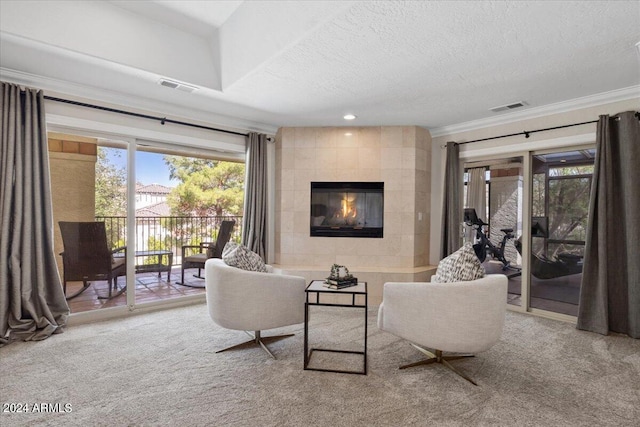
pixel 177 85
pixel 508 107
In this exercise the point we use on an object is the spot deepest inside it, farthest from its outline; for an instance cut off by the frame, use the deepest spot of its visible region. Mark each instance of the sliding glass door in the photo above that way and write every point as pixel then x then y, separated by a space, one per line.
pixel 494 195
pixel 89 181
pixel 561 183
pixel 181 200
pixel 176 206
pixel 535 205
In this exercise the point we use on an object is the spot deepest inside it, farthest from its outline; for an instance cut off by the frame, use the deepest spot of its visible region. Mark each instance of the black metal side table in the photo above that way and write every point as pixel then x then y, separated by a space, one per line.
pixel 316 287
pixel 158 267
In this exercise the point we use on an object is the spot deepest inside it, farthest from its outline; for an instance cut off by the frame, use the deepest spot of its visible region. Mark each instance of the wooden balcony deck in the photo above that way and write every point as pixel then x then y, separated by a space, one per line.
pixel 149 287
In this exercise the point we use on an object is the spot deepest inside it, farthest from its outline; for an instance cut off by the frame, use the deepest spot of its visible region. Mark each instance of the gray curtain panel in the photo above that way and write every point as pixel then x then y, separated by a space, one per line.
pixel 610 292
pixel 32 303
pixel 254 221
pixel 451 210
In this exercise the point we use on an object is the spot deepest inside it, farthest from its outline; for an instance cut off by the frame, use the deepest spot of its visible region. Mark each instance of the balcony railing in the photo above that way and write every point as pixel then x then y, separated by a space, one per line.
pixel 168 232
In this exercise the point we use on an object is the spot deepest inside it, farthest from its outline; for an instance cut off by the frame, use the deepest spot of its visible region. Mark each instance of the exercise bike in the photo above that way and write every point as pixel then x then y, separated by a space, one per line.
pixel 484 246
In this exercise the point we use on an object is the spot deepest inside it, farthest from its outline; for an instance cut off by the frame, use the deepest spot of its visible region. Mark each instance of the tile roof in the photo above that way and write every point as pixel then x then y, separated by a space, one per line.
pixel 157 209
pixel 153 189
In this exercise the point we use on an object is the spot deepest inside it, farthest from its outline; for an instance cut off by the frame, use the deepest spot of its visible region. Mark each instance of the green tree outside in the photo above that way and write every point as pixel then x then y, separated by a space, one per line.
pixel 207 187
pixel 111 193
pixel 111 184
pixel 568 204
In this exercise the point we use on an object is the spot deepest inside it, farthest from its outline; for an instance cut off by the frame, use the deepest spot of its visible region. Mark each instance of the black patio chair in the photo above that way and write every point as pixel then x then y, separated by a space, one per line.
pixel 87 257
pixel 205 250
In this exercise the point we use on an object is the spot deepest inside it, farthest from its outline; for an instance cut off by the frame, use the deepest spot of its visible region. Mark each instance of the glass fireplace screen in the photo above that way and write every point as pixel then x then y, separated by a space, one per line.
pixel 347 209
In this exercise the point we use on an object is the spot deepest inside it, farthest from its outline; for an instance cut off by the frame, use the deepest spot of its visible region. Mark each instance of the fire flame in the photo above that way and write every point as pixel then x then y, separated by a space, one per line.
pixel 348 210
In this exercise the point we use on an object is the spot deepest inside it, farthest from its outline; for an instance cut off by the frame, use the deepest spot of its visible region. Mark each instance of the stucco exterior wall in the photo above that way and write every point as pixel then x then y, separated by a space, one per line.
pixel 72 164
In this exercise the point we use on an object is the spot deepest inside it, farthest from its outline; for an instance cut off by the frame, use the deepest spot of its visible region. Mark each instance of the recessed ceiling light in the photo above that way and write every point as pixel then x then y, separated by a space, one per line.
pixel 349 117
pixel 348 134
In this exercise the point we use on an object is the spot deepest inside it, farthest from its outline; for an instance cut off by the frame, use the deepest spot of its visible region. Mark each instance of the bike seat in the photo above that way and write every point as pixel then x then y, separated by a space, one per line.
pixel 506 230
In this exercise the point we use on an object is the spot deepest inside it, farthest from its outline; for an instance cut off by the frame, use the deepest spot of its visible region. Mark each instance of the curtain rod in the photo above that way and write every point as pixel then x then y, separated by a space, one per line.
pixel 527 133
pixel 162 120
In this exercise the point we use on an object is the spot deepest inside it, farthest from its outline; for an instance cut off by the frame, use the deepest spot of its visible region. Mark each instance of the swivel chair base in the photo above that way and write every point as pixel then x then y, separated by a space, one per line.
pixel 257 339
pixel 439 358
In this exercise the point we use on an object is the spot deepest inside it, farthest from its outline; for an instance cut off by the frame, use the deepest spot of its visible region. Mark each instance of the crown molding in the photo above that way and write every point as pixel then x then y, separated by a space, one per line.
pixel 123 100
pixel 545 110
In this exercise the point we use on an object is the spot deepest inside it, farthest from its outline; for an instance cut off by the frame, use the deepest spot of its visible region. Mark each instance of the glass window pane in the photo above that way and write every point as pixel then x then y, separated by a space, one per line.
pixel 88 183
pixel 560 203
pixel 539 195
pixel 503 194
pixel 181 203
pixel 571 170
pixel 568 208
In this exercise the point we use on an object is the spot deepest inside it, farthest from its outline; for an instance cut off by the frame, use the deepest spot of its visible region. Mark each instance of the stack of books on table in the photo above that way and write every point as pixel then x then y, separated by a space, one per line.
pixel 340 283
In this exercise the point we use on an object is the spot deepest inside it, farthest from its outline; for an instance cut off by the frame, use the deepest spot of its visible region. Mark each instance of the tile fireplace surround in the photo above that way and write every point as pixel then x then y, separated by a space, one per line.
pixel 399 156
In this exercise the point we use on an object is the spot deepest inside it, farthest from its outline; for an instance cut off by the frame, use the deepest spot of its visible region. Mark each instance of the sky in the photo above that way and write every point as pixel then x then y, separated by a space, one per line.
pixel 150 167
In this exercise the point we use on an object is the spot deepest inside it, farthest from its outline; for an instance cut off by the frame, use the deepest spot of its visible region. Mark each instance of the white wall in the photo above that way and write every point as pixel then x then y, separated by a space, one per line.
pixel 576 135
pixel 113 33
pixel 144 199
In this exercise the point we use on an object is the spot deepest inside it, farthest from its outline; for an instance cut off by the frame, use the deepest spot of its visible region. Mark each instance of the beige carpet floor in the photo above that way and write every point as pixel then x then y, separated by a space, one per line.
pixel 161 369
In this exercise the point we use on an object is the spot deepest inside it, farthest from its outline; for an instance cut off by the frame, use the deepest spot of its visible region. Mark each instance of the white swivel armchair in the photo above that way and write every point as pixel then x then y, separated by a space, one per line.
pixel 253 301
pixel 460 317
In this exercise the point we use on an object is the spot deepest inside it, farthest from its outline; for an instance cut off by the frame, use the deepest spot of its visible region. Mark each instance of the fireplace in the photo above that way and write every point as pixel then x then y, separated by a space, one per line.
pixel 347 209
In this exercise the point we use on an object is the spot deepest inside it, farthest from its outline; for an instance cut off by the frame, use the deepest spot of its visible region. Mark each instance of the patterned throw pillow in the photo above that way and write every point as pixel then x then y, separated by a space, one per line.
pixel 460 266
pixel 239 256
pixel 228 248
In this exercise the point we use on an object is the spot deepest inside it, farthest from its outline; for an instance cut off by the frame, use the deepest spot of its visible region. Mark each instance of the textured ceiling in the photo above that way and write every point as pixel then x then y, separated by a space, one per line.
pixel 432 64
